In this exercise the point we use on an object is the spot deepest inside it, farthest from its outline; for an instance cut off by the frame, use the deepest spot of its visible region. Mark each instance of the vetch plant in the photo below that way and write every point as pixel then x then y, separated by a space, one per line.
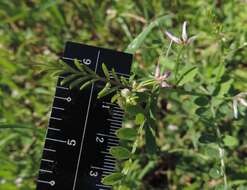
pixel 186 114
pixel 150 100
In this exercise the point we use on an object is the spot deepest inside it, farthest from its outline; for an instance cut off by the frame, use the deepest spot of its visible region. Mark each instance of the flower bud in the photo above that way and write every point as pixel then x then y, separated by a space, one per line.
pixel 125 92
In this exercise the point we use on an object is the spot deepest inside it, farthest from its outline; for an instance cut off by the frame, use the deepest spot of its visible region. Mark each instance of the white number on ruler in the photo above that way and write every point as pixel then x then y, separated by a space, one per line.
pixel 100 139
pixel 71 142
pixel 87 61
pixel 93 173
pixel 104 106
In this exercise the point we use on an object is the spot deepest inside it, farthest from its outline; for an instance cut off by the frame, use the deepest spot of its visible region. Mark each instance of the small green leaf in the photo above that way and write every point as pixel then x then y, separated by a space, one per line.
pixel 127 164
pixel 134 110
pixel 78 65
pixel 207 138
pixel 88 83
pixel 114 74
pixel 147 168
pixel 123 80
pixel 112 179
pixel 88 70
pixel 215 173
pixel 211 150
pixel 223 88
pixel 106 72
pixel 68 67
pixel 58 72
pixel 139 119
pixel 69 78
pixel 78 81
pixel 120 153
pixel 219 71
pixel 151 145
pixel 115 98
pixel 111 90
pixel 187 76
pixel 202 112
pixel 230 141
pixel 104 90
pixel 147 82
pixel 127 134
pixel 201 101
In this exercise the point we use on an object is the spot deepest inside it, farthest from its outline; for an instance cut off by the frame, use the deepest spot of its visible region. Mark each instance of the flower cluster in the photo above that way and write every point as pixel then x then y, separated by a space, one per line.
pixel 161 77
pixel 184 40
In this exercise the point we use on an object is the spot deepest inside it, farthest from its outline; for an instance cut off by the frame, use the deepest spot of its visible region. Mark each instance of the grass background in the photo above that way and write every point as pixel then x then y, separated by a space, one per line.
pixel 33 32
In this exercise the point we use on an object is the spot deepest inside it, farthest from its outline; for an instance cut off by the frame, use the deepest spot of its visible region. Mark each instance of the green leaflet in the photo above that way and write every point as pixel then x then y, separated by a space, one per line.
pixel 69 78
pixel 78 81
pixel 104 90
pixel 223 88
pixel 129 134
pixel 106 71
pixel 58 72
pixel 215 173
pixel 230 141
pixel 88 70
pixel 120 153
pixel 139 119
pixel 112 179
pixel 88 83
pixel 219 72
pixel 68 68
pixel 187 76
pixel 201 101
pixel 151 145
pixel 78 65
pixel 207 138
pixel 115 75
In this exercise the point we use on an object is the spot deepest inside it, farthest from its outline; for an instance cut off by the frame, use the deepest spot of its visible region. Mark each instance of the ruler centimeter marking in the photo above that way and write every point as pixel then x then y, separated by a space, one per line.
pixel 52 183
pixel 82 128
pixel 50 150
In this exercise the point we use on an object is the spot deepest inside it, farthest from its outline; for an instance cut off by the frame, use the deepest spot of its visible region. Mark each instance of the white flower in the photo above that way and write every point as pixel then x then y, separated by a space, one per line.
pixel 125 92
pixel 239 98
pixel 2 181
pixel 161 77
pixel 184 40
pixel 18 181
pixel 172 127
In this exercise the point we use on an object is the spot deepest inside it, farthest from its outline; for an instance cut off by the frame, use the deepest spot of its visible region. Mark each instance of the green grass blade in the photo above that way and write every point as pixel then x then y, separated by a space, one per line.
pixel 138 41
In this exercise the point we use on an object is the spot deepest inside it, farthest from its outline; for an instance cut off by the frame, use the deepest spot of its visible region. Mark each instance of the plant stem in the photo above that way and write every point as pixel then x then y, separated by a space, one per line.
pixel 221 151
pixel 134 147
pixel 178 62
pixel 222 161
pixel 169 47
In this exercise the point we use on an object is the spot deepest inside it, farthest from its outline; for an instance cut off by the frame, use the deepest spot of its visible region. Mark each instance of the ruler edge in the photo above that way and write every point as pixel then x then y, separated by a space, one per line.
pixel 101 48
pixel 57 80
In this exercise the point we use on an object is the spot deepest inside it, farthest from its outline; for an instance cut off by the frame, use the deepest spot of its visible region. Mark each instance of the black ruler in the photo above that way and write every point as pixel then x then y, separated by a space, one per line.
pixel 81 127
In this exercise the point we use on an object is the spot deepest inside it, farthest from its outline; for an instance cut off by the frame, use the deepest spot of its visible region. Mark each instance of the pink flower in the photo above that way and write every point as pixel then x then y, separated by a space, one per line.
pixel 184 40
pixel 161 77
